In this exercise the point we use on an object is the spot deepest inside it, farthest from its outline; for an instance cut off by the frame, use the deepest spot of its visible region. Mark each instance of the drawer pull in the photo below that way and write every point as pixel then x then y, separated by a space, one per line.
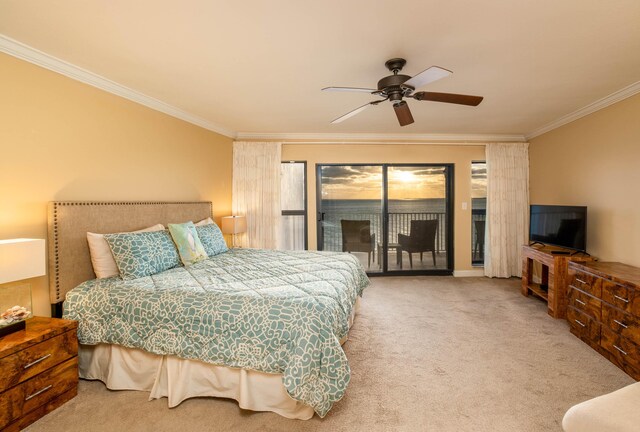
pixel 580 280
pixel 580 302
pixel 581 323
pixel 621 298
pixel 623 325
pixel 31 396
pixel 620 349
pixel 35 362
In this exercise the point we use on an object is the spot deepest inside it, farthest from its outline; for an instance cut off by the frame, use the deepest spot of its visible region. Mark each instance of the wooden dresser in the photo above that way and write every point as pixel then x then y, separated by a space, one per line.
pixel 38 371
pixel 604 311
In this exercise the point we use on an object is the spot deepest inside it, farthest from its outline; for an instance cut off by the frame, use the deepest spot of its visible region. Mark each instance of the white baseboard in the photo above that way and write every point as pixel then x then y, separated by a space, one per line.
pixel 469 273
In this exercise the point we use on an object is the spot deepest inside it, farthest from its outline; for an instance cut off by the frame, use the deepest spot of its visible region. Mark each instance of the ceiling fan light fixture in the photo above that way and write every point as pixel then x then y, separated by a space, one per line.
pixel 403 113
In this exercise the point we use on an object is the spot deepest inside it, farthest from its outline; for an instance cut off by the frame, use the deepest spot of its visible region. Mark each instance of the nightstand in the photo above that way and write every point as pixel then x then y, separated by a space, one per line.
pixel 38 371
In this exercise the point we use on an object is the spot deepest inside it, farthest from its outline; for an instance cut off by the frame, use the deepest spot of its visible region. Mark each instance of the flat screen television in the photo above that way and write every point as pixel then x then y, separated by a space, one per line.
pixel 564 226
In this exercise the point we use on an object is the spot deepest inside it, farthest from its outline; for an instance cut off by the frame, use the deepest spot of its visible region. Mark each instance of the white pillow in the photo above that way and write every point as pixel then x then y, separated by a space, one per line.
pixel 104 265
pixel 203 222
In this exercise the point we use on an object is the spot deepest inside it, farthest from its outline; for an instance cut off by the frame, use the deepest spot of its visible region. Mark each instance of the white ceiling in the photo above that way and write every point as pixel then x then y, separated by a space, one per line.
pixel 258 66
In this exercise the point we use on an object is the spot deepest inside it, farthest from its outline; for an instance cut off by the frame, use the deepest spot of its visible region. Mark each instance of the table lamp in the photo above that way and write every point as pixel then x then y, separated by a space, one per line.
pixel 234 225
pixel 19 259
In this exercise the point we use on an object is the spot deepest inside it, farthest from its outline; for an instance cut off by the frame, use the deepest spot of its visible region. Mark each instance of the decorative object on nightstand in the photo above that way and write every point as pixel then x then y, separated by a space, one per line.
pixel 19 259
pixel 38 371
pixel 234 225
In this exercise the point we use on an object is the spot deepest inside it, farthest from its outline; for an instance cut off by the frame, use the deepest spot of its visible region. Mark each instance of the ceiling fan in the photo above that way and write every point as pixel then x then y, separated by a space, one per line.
pixel 396 87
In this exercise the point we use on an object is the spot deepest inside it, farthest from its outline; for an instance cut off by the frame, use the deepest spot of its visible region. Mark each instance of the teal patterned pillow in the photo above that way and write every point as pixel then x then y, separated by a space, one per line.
pixel 188 242
pixel 143 254
pixel 212 239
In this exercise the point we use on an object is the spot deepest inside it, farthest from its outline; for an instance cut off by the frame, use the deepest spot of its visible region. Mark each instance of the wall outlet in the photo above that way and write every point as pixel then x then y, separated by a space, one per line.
pixel 464 205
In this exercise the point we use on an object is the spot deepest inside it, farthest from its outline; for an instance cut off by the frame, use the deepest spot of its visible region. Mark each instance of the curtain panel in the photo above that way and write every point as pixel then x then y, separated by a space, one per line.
pixel 507 226
pixel 256 192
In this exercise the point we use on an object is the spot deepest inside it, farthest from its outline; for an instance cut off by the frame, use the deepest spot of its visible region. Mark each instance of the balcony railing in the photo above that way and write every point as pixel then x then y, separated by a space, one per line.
pixel 478 220
pixel 400 223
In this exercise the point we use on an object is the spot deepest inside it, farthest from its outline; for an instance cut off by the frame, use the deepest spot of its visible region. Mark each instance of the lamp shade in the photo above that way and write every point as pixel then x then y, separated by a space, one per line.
pixel 21 259
pixel 234 224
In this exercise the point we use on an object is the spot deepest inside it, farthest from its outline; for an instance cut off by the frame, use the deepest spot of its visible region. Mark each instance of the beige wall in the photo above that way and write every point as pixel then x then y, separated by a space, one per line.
pixel 64 140
pixel 460 155
pixel 595 161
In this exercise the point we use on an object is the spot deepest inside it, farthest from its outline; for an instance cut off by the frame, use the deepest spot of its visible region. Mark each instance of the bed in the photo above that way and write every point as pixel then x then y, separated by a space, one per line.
pixel 262 327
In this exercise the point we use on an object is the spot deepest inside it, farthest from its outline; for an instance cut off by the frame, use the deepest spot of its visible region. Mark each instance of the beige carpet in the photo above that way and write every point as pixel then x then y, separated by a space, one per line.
pixel 426 353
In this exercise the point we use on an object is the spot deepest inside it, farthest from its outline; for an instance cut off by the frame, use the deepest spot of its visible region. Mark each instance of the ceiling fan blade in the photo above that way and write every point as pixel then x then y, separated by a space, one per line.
pixel 349 89
pixel 352 113
pixel 449 98
pixel 427 76
pixel 403 113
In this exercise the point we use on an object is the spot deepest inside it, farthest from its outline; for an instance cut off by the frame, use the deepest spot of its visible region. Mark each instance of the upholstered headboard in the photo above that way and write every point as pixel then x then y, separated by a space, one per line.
pixel 69 222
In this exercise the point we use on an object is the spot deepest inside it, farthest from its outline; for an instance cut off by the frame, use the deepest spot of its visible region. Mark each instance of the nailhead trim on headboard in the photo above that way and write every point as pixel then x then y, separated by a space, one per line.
pixel 56 204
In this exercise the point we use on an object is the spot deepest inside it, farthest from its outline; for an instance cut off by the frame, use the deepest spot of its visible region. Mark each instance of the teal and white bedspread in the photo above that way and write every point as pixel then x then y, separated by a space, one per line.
pixel 279 312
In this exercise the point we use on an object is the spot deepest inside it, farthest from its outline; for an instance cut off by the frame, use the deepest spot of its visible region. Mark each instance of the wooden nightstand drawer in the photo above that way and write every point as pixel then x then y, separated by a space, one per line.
pixel 38 391
pixel 587 282
pixel 583 326
pixel 38 371
pixel 24 364
pixel 585 303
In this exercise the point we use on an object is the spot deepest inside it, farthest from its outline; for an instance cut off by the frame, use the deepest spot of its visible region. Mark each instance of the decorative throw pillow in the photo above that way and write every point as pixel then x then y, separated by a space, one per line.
pixel 189 245
pixel 104 265
pixel 212 239
pixel 143 254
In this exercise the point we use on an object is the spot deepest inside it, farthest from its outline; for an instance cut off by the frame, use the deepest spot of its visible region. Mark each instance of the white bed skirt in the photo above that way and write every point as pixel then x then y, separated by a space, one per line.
pixel 177 379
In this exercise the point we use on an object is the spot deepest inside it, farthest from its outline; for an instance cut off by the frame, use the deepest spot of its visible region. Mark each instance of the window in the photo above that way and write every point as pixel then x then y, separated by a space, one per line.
pixel 478 210
pixel 293 198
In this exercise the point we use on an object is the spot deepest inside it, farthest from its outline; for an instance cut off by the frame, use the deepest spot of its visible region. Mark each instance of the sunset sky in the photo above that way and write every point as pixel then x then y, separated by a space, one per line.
pixel 365 182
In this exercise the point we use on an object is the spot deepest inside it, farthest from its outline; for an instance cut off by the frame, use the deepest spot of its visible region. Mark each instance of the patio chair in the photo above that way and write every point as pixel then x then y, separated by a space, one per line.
pixel 421 238
pixel 357 237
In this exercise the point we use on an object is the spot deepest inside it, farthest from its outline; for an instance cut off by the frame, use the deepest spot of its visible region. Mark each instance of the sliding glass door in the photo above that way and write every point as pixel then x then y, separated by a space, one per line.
pixel 350 202
pixel 395 218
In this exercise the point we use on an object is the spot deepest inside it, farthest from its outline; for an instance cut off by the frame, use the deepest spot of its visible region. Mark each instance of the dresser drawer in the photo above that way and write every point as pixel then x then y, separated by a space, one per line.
pixel 37 391
pixel 624 350
pixel 587 282
pixel 24 364
pixel 622 323
pixel 583 326
pixel 585 303
pixel 620 296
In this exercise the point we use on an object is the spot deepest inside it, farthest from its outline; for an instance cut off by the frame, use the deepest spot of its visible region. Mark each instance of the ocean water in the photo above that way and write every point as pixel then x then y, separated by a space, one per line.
pixel 426 205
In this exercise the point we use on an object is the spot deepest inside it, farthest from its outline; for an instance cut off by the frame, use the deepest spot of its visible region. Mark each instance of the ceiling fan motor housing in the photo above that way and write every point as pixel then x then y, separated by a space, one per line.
pixel 392 86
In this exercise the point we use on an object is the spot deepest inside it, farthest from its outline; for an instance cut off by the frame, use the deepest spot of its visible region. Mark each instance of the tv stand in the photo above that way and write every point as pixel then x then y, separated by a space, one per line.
pixel 553 284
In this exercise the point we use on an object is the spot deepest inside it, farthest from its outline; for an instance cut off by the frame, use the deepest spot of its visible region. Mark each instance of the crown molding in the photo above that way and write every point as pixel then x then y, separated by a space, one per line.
pixel 379 138
pixel 39 58
pixel 24 52
pixel 618 96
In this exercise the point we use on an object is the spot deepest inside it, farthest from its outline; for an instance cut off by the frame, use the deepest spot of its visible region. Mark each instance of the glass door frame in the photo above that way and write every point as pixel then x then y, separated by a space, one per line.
pixel 449 209
pixel 304 213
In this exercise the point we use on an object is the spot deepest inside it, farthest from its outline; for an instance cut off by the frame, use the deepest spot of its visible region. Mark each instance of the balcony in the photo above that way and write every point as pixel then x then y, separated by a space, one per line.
pixel 399 223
